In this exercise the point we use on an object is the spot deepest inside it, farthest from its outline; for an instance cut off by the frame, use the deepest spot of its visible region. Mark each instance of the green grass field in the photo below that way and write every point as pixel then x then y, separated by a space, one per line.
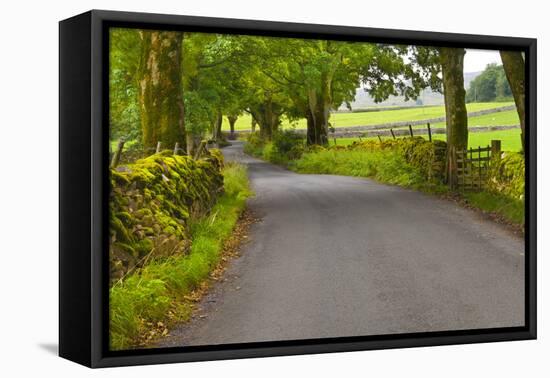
pixel 507 118
pixel 510 139
pixel 374 118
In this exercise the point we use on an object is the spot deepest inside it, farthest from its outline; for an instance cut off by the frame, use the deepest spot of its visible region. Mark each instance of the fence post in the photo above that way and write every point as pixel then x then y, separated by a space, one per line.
pixel 158 148
pixel 495 148
pixel 411 130
pixel 392 134
pixel 452 168
pixel 176 148
pixel 116 156
pixel 429 132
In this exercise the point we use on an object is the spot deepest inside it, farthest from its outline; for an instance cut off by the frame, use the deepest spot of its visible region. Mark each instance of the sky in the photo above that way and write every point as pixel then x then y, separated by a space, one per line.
pixel 476 60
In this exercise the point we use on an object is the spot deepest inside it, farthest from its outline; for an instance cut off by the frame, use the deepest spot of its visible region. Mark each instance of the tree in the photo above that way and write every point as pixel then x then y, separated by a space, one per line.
pixel 197 97
pixel 452 67
pixel 514 67
pixel 197 113
pixel 160 93
pixel 318 76
pixel 259 94
pixel 490 85
pixel 232 119
pixel 267 112
pixel 124 56
pixel 213 72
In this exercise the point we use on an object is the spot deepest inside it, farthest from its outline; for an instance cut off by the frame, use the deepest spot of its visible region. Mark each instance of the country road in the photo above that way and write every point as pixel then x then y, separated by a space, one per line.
pixel 342 256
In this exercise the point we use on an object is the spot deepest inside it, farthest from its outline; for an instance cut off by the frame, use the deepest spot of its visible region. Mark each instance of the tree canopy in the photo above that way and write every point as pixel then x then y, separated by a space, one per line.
pixel 168 86
pixel 178 86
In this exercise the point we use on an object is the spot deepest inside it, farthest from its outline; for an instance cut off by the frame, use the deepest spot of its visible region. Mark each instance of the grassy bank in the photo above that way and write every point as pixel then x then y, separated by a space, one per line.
pixel 510 209
pixel 384 166
pixel 146 302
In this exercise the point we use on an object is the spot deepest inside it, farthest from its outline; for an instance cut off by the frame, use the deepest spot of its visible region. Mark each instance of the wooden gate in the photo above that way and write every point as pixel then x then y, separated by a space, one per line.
pixel 472 167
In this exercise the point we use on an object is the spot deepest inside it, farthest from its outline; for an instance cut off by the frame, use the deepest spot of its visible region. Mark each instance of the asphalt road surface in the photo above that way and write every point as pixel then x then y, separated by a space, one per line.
pixel 340 256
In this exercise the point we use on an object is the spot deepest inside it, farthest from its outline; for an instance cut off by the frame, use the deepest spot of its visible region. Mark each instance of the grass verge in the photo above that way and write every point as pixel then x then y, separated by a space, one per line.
pixel 505 208
pixel 384 166
pixel 146 303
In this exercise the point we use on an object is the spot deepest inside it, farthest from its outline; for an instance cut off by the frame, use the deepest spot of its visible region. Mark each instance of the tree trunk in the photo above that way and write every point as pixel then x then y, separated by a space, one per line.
pixel 317 117
pixel 317 126
pixel 266 132
pixel 219 122
pixel 319 104
pixel 452 66
pixel 514 67
pixel 267 118
pixel 216 125
pixel 232 120
pixel 310 132
pixel 253 125
pixel 192 142
pixel 160 91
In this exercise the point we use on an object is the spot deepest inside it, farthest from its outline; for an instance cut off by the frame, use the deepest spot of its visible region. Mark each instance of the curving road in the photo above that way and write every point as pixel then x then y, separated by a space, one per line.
pixel 342 256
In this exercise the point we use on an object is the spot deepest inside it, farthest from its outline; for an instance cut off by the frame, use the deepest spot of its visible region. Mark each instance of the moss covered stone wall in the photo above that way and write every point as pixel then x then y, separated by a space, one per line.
pixel 151 203
pixel 507 175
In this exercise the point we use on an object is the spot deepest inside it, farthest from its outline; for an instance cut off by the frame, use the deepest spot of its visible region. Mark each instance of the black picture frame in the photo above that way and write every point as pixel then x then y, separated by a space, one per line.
pixel 84 189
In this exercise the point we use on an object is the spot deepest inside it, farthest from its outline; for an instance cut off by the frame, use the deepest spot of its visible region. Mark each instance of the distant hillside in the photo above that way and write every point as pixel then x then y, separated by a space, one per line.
pixel 469 76
pixel 427 97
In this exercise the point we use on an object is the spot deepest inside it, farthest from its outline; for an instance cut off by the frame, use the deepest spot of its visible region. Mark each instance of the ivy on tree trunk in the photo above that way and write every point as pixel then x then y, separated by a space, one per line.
pixel 514 67
pixel 160 92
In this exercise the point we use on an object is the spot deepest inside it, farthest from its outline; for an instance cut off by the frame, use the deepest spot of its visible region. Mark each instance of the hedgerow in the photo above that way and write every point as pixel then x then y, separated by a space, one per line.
pixel 428 157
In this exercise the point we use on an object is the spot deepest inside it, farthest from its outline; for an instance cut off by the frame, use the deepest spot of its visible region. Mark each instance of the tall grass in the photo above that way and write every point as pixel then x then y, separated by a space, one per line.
pixel 149 295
